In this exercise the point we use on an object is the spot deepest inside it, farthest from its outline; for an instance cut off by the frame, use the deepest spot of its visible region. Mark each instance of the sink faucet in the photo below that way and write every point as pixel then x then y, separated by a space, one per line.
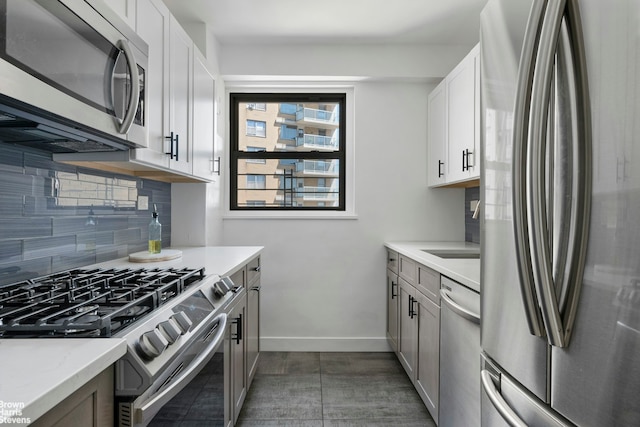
pixel 476 212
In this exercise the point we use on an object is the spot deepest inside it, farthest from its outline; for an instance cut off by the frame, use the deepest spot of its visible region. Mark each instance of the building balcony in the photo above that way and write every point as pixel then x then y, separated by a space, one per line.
pixel 321 194
pixel 318 168
pixel 317 142
pixel 319 117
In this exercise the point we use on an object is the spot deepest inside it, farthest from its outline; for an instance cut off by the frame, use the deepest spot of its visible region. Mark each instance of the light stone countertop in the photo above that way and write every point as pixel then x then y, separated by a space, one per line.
pixel 462 270
pixel 220 260
pixel 37 374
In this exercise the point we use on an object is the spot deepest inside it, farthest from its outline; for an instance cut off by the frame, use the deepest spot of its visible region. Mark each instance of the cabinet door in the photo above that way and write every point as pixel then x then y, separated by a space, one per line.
pixel 90 405
pixel 392 309
pixel 407 321
pixel 203 117
pixel 153 26
pixel 437 139
pixel 253 328
pixel 180 96
pixel 461 120
pixel 428 361
pixel 126 9
pixel 237 325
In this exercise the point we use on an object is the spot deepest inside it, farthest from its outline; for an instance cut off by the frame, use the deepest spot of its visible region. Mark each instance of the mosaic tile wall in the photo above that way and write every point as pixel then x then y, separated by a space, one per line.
pixel 55 217
pixel 471 226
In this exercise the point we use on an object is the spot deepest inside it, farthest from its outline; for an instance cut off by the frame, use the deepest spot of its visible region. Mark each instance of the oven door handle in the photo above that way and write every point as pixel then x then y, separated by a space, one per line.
pixel 146 411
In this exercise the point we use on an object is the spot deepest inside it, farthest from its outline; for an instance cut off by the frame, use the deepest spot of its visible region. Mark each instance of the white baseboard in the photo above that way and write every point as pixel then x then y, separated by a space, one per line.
pixel 322 344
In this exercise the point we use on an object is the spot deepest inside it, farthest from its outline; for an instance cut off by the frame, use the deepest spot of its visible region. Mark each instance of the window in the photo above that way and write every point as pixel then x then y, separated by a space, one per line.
pixel 302 161
pixel 288 132
pixel 257 106
pixel 256 128
pixel 255 149
pixel 256 182
pixel 288 108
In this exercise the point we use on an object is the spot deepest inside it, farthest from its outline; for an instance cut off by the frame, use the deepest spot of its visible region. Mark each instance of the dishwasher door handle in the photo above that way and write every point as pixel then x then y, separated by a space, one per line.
pixel 458 309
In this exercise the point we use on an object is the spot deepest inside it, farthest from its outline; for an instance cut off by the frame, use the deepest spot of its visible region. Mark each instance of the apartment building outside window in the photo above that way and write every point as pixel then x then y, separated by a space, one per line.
pixel 289 155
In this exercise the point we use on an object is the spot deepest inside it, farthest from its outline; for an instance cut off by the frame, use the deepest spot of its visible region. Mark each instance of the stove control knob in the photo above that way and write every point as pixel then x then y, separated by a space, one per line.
pixel 151 344
pixel 183 321
pixel 170 330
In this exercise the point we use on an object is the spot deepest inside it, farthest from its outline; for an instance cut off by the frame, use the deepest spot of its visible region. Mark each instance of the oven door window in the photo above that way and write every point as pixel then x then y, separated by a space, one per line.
pixel 47 40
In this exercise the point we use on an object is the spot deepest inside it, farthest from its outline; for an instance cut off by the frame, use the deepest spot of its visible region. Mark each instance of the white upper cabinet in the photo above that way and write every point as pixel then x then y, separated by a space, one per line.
pixel 180 114
pixel 454 125
pixel 204 97
pixel 179 133
pixel 126 9
pixel 170 90
pixel 153 26
pixel 437 133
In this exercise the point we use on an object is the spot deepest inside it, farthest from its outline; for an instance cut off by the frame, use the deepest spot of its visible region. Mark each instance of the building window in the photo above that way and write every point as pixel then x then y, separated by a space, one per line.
pixel 303 159
pixel 256 128
pixel 257 106
pixel 286 108
pixel 288 132
pixel 256 182
pixel 255 149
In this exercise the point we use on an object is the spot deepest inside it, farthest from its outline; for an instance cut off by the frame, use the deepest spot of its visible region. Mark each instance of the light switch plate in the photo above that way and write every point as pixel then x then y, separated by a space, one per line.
pixel 473 204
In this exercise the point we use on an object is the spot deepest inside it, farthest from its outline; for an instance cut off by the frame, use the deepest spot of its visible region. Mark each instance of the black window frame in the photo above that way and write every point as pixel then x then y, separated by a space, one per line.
pixel 238 98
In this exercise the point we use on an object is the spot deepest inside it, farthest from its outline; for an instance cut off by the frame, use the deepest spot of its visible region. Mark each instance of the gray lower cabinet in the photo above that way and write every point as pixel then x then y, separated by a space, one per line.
pixel 393 304
pixel 243 335
pixel 428 367
pixel 393 301
pixel 418 342
pixel 90 405
pixel 253 320
pixel 408 327
pixel 237 318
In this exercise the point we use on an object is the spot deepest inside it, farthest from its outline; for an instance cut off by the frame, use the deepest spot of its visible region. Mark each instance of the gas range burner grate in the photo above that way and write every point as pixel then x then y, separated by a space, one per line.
pixel 88 302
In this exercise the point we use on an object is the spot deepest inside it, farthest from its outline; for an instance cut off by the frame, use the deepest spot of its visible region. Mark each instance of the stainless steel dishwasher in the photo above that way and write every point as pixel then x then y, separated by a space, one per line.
pixel 459 355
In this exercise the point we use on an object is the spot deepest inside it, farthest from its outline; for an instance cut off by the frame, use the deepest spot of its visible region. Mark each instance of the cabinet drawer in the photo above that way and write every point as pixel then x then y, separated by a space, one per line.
pixel 253 269
pixel 392 260
pixel 428 282
pixel 239 277
pixel 408 269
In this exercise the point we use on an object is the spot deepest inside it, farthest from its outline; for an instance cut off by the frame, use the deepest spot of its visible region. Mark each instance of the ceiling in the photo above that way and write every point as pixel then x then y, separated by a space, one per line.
pixel 454 22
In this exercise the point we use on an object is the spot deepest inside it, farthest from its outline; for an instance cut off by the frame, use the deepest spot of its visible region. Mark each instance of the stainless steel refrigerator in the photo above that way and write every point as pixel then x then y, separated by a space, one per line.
pixel 560 227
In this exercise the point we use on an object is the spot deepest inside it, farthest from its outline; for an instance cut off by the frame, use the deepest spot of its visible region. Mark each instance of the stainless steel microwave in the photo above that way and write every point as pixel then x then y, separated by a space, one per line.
pixel 72 77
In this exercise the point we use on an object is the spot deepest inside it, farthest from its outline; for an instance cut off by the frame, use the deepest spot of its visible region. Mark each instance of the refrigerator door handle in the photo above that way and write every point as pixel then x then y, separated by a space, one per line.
pixel 558 327
pixel 583 172
pixel 519 189
pixel 458 309
pixel 536 172
pixel 503 408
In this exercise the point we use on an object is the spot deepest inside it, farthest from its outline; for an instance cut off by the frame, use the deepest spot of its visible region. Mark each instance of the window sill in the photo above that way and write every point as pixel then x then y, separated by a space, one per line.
pixel 290 215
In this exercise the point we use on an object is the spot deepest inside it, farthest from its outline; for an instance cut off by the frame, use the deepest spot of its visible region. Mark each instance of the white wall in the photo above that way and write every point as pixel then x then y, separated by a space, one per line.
pixel 324 280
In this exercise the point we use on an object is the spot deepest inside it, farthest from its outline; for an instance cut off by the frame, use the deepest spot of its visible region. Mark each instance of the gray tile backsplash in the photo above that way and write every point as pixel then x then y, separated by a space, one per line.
pixel 471 226
pixel 55 216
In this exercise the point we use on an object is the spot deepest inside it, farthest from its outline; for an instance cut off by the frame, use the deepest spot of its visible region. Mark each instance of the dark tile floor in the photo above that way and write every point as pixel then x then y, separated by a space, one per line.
pixel 332 390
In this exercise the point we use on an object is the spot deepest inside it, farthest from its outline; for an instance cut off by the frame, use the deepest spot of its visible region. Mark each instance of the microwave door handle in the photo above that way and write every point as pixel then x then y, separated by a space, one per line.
pixel 498 402
pixel 129 116
pixel 539 240
pixel 148 409
pixel 519 181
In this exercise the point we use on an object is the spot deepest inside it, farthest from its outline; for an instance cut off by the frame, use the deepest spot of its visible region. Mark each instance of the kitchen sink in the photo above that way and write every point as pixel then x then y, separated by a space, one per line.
pixel 452 253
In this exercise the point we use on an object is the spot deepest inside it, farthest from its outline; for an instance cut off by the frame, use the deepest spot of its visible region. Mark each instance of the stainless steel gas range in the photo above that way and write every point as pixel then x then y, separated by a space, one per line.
pixel 173 320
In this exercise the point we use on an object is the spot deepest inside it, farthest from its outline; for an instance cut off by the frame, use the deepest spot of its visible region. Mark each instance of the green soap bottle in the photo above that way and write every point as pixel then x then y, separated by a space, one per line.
pixel 155 233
